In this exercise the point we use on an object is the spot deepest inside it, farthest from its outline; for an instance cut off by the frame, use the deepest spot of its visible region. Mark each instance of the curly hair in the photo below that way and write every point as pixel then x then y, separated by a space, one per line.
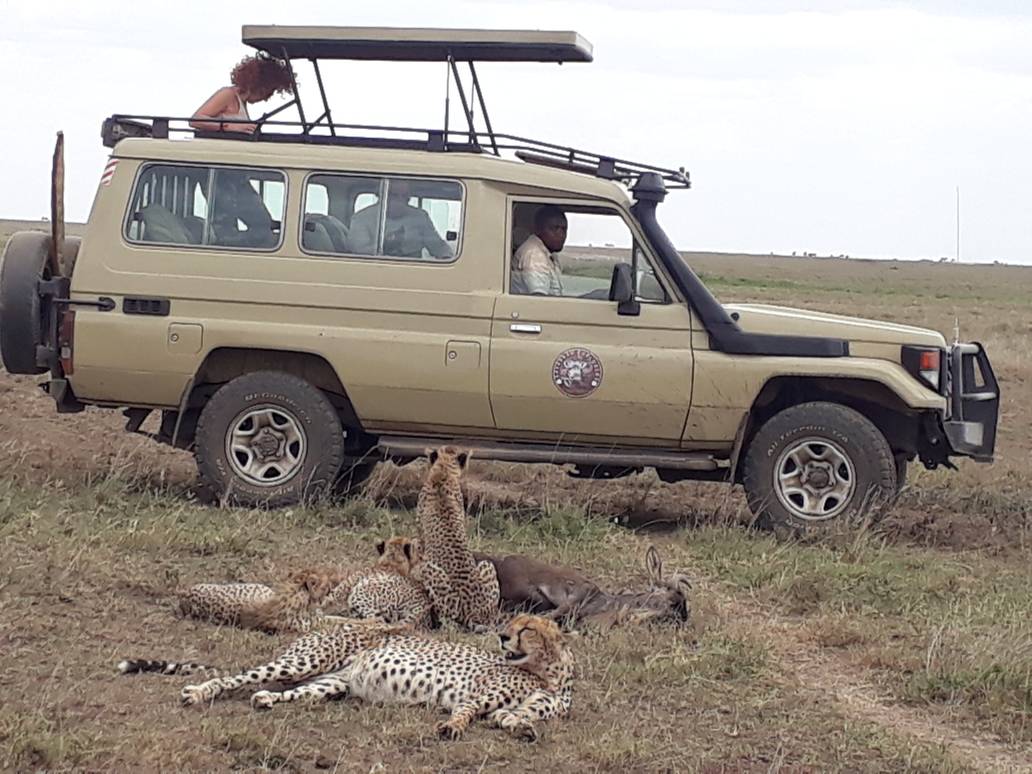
pixel 262 75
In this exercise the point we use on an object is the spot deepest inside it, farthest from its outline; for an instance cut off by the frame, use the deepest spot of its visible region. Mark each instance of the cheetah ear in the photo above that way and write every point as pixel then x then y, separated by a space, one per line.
pixel 381 546
pixel 462 458
pixel 407 550
pixel 432 454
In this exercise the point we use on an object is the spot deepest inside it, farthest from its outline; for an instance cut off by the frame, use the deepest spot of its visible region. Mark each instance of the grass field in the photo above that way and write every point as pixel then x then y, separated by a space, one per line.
pixel 905 647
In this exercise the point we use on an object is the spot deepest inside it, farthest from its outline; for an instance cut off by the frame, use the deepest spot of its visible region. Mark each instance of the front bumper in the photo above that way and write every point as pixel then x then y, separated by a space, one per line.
pixel 973 402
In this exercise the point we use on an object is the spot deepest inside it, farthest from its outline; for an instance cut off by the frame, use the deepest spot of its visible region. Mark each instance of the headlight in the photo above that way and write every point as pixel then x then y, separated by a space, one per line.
pixel 924 364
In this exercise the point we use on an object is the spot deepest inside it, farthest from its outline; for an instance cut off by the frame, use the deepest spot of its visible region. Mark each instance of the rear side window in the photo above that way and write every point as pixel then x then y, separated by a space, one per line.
pixel 422 219
pixel 207 207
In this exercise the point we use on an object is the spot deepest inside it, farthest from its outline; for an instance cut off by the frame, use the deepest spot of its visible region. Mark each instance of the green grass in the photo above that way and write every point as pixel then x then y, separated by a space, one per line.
pixel 100 561
pixel 949 630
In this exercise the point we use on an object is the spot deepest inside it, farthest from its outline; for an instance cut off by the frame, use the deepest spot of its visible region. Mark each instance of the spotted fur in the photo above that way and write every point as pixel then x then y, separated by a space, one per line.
pixel 461 589
pixel 385 591
pixel 529 682
pixel 289 606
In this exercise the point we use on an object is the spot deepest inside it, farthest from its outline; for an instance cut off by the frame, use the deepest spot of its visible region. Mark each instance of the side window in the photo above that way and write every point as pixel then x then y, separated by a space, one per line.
pixel 570 251
pixel 422 219
pixel 207 206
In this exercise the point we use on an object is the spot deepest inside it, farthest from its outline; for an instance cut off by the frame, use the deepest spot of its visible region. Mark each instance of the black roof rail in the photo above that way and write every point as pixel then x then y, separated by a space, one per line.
pixel 525 149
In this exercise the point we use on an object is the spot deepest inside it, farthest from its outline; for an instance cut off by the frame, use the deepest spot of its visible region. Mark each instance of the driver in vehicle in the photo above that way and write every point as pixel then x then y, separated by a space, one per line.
pixel 408 230
pixel 535 264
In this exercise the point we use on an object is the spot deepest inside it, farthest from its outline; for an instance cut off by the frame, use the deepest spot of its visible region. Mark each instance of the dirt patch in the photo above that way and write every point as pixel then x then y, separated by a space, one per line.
pixel 37 444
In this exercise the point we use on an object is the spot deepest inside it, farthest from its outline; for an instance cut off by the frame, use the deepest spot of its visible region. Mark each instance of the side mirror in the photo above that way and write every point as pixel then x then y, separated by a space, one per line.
pixel 621 290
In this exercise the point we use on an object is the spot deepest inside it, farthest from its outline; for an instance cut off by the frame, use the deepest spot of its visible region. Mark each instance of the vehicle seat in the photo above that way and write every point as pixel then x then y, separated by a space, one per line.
pixel 316 237
pixel 335 229
pixel 160 225
pixel 195 226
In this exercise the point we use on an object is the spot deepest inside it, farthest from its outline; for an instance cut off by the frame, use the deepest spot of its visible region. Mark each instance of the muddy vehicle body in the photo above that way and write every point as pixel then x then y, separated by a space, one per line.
pixel 255 294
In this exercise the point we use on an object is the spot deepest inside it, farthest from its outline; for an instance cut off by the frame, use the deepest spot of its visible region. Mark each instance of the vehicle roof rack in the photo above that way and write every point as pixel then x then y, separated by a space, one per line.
pixel 410 44
pixel 449 46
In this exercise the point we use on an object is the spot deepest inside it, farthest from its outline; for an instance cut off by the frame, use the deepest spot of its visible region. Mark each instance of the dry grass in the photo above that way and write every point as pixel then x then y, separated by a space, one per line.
pixel 925 618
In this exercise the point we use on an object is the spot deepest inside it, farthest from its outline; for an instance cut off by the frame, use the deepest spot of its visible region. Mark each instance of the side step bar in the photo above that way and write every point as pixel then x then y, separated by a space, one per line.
pixel 407 447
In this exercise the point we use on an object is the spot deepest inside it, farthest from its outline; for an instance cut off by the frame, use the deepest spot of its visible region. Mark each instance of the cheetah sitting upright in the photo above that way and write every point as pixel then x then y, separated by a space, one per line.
pixel 461 589
pixel 531 681
pixel 288 606
pixel 385 591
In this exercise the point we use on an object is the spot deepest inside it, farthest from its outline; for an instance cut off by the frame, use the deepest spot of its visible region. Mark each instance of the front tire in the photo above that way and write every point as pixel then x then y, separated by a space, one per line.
pixel 816 464
pixel 268 439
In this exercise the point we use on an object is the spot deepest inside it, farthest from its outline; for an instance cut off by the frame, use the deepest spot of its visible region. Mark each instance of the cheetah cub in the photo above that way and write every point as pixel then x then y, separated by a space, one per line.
pixel 289 606
pixel 461 589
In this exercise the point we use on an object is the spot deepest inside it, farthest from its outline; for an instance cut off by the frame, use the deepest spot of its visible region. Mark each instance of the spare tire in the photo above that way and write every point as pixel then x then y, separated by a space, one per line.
pixel 22 321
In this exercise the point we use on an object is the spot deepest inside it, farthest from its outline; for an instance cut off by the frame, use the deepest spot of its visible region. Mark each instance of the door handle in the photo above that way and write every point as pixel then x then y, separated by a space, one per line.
pixel 525 328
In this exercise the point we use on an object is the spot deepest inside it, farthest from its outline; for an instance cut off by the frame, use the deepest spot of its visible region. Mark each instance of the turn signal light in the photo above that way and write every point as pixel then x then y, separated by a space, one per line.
pixel 925 363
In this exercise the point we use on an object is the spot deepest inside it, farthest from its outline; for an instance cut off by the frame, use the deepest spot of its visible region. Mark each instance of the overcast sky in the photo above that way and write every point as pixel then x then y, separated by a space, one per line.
pixel 839 131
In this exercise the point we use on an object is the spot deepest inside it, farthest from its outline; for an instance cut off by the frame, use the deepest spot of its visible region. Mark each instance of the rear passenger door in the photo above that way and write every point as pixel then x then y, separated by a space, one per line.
pixel 414 304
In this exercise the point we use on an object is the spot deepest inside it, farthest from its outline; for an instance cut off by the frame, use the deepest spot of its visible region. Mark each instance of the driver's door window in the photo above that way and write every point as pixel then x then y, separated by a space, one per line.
pixel 576 262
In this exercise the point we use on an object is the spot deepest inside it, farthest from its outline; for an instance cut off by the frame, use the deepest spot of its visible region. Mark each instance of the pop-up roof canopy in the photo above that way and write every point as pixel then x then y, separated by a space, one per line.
pixel 404 44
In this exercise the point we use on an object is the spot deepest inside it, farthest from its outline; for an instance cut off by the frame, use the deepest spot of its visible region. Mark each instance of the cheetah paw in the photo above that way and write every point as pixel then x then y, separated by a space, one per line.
pixel 448 731
pixel 525 732
pixel 262 700
pixel 192 694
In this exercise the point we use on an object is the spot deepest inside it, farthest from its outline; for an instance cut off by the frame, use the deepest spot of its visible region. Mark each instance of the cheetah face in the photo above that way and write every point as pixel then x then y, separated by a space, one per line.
pixel 400 554
pixel 317 583
pixel 446 462
pixel 530 640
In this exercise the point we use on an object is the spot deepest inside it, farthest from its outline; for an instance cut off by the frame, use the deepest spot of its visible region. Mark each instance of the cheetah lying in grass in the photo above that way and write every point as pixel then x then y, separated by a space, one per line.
pixel 289 606
pixel 529 682
pixel 382 591
pixel 462 590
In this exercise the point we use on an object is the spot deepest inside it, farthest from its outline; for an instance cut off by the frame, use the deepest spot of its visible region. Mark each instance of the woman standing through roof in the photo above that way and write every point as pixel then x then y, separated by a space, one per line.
pixel 254 79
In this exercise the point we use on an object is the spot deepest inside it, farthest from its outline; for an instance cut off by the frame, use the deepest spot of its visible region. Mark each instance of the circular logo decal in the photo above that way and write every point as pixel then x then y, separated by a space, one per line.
pixel 577 372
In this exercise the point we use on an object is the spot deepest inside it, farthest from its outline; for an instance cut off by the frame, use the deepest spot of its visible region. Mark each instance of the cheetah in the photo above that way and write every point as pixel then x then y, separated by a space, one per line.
pixel 302 602
pixel 461 589
pixel 289 606
pixel 530 681
pixel 385 591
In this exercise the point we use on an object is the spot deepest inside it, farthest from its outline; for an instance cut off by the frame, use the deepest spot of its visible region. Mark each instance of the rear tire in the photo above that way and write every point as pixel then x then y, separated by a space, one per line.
pixel 22 313
pixel 816 464
pixel 268 439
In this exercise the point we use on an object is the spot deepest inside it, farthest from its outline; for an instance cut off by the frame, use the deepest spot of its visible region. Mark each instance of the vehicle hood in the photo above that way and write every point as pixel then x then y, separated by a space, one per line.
pixel 760 318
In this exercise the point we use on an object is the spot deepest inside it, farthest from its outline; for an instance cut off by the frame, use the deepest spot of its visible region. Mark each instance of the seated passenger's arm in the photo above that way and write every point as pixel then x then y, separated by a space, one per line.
pixel 363 232
pixel 432 241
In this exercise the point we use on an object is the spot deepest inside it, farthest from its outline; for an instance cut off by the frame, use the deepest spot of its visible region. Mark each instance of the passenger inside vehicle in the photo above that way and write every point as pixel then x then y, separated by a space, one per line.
pixel 535 263
pixel 235 202
pixel 408 230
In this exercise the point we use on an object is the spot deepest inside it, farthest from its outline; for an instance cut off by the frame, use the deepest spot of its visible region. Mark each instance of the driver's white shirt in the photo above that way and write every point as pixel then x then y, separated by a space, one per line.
pixel 535 270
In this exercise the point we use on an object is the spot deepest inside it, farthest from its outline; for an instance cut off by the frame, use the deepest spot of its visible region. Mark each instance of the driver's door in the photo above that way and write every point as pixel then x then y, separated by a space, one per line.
pixel 571 366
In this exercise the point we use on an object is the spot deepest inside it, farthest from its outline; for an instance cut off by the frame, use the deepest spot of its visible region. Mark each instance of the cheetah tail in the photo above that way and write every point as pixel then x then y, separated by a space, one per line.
pixel 134 666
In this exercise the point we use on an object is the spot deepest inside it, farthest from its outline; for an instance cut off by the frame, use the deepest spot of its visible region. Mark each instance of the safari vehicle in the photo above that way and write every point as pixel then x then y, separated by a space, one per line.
pixel 256 292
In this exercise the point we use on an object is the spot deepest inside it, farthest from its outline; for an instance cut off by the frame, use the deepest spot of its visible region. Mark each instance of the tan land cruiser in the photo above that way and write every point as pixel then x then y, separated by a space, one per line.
pixel 305 302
